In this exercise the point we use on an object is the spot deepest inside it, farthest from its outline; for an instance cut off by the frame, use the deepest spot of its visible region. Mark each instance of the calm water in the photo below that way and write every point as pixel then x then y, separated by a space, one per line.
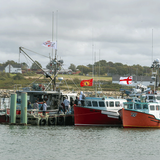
pixel 78 143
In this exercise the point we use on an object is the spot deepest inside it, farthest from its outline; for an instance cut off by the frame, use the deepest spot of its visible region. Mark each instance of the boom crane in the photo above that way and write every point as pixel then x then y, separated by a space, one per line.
pixel 47 75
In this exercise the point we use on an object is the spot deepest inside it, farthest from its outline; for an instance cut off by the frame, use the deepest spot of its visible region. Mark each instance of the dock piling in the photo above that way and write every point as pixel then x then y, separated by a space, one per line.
pixel 24 108
pixel 13 108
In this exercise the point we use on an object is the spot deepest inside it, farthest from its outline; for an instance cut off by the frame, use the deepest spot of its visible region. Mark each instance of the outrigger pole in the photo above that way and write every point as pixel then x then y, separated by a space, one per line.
pixel 47 75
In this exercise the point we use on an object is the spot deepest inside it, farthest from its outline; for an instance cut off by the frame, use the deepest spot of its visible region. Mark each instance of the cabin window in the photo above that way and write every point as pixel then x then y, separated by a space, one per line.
pixel 151 97
pixel 137 106
pixel 125 106
pixel 111 104
pixel 152 107
pixel 157 108
pixel 117 104
pixel 145 106
pixel 101 104
pixel 107 103
pixel 94 103
pixel 158 97
pixel 88 103
pixel 130 106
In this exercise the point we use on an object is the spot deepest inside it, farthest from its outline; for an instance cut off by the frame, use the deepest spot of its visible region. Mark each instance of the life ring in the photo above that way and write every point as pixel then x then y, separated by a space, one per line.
pixel 61 120
pixel 51 121
pixel 42 122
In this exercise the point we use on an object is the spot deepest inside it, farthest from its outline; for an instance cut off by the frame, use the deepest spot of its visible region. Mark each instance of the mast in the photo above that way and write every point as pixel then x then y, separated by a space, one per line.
pixel 55 59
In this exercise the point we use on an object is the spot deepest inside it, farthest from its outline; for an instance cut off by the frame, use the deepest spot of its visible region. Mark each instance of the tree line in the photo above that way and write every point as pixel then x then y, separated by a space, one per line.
pixel 101 67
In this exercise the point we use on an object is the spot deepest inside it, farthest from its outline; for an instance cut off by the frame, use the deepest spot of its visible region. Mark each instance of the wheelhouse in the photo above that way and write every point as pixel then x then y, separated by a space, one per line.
pixel 152 98
pixel 104 103
pixel 151 108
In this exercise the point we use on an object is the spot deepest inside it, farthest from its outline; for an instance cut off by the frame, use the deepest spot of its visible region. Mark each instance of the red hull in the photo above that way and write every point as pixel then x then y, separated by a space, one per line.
pixel 92 117
pixel 135 119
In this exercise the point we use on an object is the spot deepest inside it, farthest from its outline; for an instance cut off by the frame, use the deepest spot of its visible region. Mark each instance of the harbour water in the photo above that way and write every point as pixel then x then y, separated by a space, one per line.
pixel 78 143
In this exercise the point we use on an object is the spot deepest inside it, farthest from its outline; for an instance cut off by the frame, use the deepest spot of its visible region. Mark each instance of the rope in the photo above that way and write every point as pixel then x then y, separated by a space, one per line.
pixel 35 52
pixel 66 83
pixel 72 81
pixel 51 80
pixel 35 80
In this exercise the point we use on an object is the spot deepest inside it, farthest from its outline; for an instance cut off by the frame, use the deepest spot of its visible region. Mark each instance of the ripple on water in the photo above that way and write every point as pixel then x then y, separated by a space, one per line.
pixel 71 142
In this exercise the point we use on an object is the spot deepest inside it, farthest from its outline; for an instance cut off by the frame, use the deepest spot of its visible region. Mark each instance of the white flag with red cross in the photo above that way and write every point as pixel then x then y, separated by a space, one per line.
pixel 125 80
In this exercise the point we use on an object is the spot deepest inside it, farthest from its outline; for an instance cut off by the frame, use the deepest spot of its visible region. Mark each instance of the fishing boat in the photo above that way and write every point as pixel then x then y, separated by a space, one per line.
pixel 140 114
pixel 98 111
pixel 52 98
pixel 40 92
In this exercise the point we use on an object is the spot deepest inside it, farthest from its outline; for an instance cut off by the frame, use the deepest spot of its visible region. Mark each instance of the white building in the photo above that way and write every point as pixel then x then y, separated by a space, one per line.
pixel 13 69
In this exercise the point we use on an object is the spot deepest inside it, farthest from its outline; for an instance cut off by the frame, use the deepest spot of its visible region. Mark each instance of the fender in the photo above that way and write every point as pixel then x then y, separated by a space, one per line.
pixel 51 121
pixel 42 122
pixel 61 120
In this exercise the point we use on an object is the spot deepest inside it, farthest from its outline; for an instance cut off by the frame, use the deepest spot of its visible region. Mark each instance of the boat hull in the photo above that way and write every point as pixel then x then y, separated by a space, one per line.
pixel 4 118
pixel 136 119
pixel 93 117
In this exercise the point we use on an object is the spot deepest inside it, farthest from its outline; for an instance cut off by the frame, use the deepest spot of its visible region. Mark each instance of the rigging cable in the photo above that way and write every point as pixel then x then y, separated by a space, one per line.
pixel 35 80
pixel 35 52
pixel 72 81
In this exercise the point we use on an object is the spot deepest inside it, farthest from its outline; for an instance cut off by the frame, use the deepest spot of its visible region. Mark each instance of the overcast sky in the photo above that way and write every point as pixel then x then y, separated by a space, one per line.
pixel 85 30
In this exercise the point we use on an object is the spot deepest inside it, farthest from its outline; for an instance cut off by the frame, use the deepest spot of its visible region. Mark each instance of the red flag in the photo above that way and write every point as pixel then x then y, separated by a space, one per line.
pixel 86 82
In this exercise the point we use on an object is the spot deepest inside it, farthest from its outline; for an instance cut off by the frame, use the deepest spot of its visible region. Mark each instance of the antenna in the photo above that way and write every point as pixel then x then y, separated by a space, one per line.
pixel 152 45
pixel 56 28
pixel 99 65
pixel 52 30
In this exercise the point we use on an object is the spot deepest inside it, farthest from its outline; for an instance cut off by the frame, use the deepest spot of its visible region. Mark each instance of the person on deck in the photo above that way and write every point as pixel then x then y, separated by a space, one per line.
pixel 76 101
pixel 63 107
pixel 71 104
pixel 29 105
pixel 60 110
pixel 36 105
pixel 66 103
pixel 81 98
pixel 44 108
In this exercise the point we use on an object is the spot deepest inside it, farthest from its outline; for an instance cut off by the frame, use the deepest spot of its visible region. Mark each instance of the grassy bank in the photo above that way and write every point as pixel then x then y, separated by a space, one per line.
pixel 71 82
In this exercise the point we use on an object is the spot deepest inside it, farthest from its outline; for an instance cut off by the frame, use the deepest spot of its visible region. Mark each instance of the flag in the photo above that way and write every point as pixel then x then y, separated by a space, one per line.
pixel 50 44
pixel 125 80
pixel 86 82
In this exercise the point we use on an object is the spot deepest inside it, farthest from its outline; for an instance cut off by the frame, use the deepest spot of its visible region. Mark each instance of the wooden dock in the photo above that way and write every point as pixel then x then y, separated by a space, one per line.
pixel 39 119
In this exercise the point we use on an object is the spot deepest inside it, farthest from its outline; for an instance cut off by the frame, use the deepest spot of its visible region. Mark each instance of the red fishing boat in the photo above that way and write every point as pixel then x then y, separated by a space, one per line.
pixel 141 115
pixel 98 112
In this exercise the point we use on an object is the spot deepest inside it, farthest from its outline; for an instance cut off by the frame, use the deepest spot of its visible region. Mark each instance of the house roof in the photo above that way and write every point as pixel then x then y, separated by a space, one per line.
pixel 16 65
